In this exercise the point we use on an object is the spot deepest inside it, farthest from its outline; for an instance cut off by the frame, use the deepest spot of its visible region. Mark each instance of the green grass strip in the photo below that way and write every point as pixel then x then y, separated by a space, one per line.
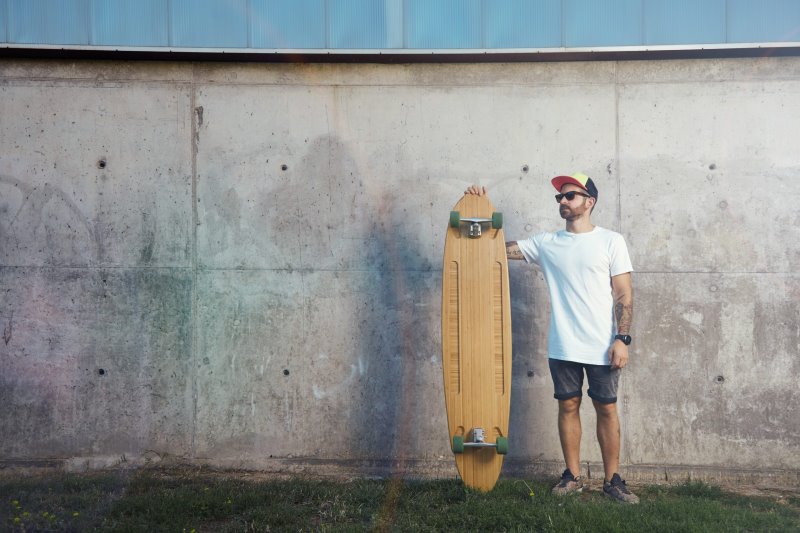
pixel 179 501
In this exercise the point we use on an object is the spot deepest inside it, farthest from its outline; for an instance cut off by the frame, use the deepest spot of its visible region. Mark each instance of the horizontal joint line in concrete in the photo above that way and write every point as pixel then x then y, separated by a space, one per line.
pixel 710 272
pixel 312 270
pixel 105 83
pixel 95 267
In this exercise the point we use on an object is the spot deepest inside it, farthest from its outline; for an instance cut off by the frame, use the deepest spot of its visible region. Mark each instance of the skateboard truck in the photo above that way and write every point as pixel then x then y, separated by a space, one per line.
pixel 475 223
pixel 478 441
pixel 475 229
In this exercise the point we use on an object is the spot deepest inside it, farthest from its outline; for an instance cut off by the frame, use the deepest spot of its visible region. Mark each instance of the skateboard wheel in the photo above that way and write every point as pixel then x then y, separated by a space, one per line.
pixel 458 444
pixel 497 220
pixel 455 219
pixel 502 445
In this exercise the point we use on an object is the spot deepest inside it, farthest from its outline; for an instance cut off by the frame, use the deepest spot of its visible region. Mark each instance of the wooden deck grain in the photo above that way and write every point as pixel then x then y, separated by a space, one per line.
pixel 476 340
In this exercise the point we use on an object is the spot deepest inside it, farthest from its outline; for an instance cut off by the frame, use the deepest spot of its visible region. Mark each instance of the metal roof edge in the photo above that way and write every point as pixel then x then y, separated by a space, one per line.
pixel 387 55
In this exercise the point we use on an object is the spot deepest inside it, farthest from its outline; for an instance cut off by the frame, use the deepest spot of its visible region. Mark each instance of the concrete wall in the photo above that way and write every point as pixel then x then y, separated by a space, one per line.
pixel 239 265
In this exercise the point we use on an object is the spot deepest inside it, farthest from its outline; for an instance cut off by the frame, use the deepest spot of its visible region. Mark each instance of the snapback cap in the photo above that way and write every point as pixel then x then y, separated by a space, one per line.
pixel 581 180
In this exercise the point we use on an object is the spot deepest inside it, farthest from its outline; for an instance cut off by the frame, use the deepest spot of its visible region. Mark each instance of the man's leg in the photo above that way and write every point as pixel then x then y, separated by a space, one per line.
pixel 569 431
pixel 608 436
pixel 568 384
pixel 603 381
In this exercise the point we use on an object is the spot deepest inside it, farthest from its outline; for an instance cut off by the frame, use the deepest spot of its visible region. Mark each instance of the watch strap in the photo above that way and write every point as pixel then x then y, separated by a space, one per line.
pixel 626 339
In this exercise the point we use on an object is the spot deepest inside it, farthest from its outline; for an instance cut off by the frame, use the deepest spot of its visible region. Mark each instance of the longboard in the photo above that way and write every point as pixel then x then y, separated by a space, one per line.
pixel 476 340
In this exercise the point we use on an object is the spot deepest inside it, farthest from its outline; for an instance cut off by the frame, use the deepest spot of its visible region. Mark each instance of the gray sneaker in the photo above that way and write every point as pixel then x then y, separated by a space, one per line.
pixel 569 484
pixel 617 489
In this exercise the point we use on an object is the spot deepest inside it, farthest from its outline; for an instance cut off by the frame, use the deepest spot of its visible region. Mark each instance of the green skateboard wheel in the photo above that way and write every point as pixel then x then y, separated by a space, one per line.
pixel 455 219
pixel 502 445
pixel 497 220
pixel 458 444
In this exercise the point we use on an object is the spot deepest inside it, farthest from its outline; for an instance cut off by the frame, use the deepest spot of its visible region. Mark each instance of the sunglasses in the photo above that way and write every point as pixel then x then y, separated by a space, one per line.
pixel 570 196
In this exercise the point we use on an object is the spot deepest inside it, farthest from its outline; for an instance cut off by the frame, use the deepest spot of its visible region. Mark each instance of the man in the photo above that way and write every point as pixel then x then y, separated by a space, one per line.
pixel 588 274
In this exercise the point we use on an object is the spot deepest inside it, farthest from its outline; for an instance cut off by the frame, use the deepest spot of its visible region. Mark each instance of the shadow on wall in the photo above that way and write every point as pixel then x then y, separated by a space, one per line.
pixel 367 289
pixel 529 366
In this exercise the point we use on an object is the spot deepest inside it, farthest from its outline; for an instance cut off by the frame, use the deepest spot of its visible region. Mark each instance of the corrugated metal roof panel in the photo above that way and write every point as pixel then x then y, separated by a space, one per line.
pixel 684 21
pixel 590 23
pixel 365 23
pixel 3 21
pixel 48 21
pixel 397 26
pixel 764 21
pixel 210 23
pixel 523 24
pixel 282 24
pixel 111 23
pixel 443 24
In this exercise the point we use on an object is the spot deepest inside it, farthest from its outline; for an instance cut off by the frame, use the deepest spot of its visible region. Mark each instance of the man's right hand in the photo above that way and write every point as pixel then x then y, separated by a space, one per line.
pixel 476 190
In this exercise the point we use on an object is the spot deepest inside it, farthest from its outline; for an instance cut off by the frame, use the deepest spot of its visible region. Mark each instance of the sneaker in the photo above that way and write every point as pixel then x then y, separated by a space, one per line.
pixel 569 484
pixel 616 489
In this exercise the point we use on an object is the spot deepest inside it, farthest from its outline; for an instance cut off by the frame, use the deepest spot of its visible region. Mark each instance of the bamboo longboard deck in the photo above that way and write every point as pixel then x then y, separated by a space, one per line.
pixel 476 341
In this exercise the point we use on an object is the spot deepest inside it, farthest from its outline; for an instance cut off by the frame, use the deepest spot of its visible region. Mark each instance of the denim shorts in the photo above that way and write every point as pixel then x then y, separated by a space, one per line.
pixel 568 380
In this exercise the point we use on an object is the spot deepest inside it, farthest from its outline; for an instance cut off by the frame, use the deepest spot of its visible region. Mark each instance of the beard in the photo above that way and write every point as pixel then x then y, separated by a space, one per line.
pixel 569 214
pixel 566 213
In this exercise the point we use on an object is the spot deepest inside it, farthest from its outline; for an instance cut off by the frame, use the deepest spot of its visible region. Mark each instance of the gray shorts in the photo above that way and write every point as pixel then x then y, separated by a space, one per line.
pixel 568 380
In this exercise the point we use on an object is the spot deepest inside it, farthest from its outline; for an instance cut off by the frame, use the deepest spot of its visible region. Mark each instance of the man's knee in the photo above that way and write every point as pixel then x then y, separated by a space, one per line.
pixel 605 410
pixel 570 405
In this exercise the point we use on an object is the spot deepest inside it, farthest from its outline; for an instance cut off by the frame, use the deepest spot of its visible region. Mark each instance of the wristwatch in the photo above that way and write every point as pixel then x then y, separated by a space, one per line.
pixel 626 339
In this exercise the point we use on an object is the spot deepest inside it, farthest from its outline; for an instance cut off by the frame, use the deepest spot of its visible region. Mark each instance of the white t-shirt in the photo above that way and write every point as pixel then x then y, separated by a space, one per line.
pixel 578 268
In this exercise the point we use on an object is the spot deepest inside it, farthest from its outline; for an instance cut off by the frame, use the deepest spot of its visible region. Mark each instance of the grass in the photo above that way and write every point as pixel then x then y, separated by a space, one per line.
pixel 181 501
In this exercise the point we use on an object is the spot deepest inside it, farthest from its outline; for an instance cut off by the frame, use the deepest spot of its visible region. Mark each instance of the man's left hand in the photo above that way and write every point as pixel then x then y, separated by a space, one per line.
pixel 618 354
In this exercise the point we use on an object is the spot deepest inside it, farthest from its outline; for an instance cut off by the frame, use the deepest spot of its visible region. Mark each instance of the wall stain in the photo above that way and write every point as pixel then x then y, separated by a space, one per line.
pixel 7 330
pixel 149 238
pixel 198 113
pixel 31 212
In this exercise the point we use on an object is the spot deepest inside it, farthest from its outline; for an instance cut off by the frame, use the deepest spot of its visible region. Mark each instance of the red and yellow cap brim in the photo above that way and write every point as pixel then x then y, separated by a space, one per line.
pixel 578 179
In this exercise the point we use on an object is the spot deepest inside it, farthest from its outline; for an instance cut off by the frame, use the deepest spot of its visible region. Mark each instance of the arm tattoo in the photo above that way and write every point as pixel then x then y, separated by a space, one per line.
pixel 623 312
pixel 513 251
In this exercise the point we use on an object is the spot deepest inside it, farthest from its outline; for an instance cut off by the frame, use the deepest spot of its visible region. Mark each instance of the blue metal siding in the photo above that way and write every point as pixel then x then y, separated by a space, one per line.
pixel 365 23
pixel 523 24
pixel 3 21
pixel 111 23
pixel 209 23
pixel 763 21
pixel 49 21
pixel 591 23
pixel 441 24
pixel 684 22
pixel 282 24
pixel 398 24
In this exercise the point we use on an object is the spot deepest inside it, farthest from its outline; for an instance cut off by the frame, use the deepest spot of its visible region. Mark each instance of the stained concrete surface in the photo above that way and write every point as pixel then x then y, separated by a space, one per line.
pixel 251 254
pixel 95 362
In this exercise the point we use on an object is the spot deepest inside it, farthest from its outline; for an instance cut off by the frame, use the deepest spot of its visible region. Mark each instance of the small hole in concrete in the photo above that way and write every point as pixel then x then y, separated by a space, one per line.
pixel 712 166
pixel 102 372
pixel 720 379
pixel 284 167
pixel 530 373
pixel 525 168
pixel 101 163
pixel 285 371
